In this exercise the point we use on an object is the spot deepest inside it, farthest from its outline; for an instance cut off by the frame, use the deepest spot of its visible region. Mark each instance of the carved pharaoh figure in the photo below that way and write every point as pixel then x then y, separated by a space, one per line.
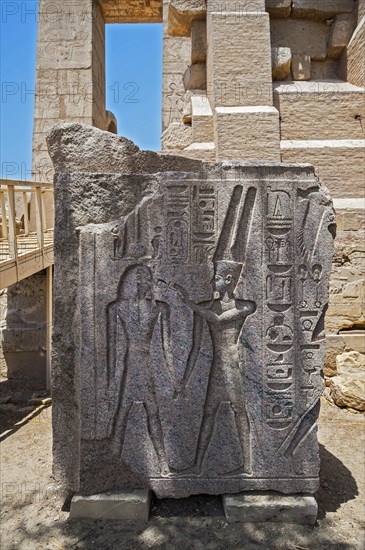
pixel 225 316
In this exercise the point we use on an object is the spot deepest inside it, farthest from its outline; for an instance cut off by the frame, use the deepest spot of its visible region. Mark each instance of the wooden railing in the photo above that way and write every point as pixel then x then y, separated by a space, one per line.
pixel 26 244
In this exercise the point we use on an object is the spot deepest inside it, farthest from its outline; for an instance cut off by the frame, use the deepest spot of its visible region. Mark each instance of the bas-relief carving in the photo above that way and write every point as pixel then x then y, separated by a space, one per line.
pixel 190 392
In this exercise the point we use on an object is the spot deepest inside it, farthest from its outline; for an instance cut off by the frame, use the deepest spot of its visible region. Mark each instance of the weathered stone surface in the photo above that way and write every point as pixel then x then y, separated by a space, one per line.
pixel 181 14
pixel 301 66
pixel 202 151
pixel 301 36
pixel 177 136
pixel 355 53
pixel 130 11
pixel 319 110
pixel 354 340
pixel 23 329
pixel 83 149
pixel 187 114
pixel 278 8
pixel 195 77
pixel 239 58
pixel 202 119
pixel 255 508
pixel 339 163
pixel 120 505
pixel 198 42
pixel 341 32
pixel 176 57
pixel 161 381
pixel 259 141
pixel 281 63
pixel 321 10
pixel 351 362
pixel 111 123
pixel 348 391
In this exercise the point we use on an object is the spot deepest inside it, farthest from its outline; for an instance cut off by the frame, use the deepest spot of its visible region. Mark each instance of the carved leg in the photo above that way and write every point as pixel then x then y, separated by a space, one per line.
pixel 156 434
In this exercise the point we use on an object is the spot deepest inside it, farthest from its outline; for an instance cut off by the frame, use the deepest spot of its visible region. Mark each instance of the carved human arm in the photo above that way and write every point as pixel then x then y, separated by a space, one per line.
pixel 203 311
pixel 246 308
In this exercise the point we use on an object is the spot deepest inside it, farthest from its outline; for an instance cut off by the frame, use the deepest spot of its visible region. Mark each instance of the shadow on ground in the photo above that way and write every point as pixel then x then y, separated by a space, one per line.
pixel 15 396
pixel 337 484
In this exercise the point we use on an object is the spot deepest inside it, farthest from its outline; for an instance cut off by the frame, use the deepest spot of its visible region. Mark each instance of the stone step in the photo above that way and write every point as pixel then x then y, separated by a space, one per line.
pixel 340 164
pixel 202 119
pixel 200 151
pixel 313 110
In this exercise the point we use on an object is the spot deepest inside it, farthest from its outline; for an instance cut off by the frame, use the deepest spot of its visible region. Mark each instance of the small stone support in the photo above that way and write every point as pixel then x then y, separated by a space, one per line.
pixel 270 507
pixel 125 505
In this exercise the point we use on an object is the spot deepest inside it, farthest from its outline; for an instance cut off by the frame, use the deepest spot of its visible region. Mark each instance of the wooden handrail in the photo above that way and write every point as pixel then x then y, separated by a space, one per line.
pixel 8 190
pixel 22 183
pixel 25 189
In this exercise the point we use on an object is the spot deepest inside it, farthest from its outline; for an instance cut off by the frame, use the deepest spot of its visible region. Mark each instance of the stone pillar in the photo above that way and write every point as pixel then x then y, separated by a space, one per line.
pixel 239 81
pixel 176 59
pixel 70 85
pixel 70 73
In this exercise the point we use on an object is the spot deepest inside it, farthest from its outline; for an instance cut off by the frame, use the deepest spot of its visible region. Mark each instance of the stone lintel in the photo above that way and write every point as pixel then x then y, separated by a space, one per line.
pixel 270 507
pixel 126 11
pixel 127 505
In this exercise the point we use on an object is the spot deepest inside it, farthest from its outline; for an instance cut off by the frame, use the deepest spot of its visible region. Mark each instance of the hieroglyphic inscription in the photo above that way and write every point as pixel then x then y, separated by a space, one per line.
pixel 191 223
pixel 279 318
pixel 203 223
pixel 177 219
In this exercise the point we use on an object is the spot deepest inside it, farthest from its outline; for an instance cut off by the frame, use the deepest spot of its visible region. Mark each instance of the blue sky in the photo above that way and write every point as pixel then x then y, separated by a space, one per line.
pixel 133 76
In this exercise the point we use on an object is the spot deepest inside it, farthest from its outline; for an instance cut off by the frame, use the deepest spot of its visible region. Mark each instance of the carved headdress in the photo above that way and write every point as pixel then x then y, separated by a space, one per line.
pixel 227 267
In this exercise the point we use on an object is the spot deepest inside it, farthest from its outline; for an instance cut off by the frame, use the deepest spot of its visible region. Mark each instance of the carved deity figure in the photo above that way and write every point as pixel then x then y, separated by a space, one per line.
pixel 225 316
pixel 132 319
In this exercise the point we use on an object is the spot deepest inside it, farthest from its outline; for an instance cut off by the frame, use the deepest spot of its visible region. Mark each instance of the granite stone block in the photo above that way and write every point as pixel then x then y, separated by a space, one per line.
pixel 189 320
pixel 270 507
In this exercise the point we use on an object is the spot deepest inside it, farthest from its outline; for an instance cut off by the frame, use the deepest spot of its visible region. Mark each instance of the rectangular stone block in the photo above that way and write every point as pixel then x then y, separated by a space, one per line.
pixel 231 6
pixel 196 293
pixel 270 507
pixel 339 163
pixel 70 67
pixel 202 119
pixel 201 151
pixel 320 110
pixel 239 59
pixel 198 41
pixel 176 58
pixel 278 8
pixel 247 133
pixel 341 32
pixel 319 9
pixel 132 12
pixel 302 37
pixel 355 54
pixel 120 505
pixel 301 67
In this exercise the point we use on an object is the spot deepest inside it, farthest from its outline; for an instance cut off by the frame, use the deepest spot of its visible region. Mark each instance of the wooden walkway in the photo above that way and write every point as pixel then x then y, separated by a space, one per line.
pixel 23 252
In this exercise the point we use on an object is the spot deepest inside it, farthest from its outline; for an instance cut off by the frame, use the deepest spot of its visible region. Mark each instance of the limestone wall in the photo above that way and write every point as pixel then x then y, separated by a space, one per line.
pixel 23 329
pixel 70 77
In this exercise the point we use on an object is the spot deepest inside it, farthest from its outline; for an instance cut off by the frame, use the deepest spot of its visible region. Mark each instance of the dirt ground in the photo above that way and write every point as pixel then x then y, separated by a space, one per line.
pixel 32 516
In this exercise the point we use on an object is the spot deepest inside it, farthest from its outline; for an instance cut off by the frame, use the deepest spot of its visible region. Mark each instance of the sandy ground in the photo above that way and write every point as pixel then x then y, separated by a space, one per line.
pixel 32 518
